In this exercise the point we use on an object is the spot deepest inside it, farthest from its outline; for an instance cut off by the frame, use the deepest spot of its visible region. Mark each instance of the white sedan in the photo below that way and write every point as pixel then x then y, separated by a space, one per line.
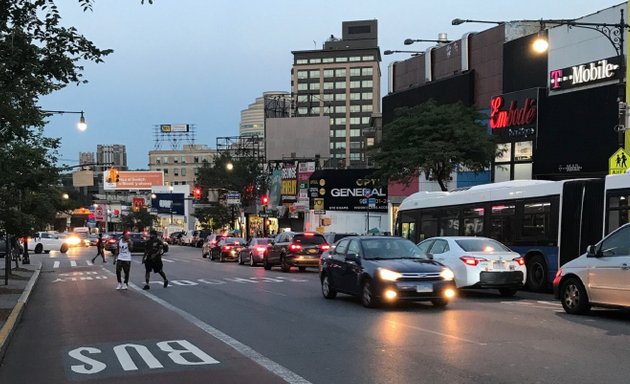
pixel 478 262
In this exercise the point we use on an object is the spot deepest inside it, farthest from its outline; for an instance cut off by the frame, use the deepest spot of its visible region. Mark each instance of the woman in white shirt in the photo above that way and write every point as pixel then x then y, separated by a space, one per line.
pixel 123 260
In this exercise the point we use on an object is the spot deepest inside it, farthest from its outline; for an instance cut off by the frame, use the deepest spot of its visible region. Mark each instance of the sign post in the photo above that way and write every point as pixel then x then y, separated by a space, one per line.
pixel 367 193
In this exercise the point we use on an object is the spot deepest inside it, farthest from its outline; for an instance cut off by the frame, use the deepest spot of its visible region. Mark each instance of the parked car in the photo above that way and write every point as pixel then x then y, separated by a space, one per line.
pixel 112 240
pixel 210 243
pixel 48 241
pixel 200 238
pixel 255 251
pixel 478 262
pixel 175 237
pixel 227 248
pixel 296 249
pixel 186 238
pixel 384 269
pixel 600 277
pixel 333 237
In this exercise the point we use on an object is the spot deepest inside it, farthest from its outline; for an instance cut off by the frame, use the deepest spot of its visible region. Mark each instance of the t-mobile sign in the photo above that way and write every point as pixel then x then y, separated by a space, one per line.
pixel 584 74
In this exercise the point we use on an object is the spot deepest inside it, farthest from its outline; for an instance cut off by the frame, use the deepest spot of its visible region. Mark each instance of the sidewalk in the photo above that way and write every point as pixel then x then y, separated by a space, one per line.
pixel 13 297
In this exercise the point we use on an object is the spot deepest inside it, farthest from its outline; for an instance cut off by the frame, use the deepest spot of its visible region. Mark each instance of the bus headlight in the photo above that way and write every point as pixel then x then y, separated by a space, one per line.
pixel 447 274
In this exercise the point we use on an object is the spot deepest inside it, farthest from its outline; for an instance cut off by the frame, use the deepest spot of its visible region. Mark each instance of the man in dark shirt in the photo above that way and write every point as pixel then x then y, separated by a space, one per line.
pixel 152 258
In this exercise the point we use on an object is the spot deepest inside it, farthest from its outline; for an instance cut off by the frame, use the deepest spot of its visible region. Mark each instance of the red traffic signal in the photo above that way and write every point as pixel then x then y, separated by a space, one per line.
pixel 264 200
pixel 197 193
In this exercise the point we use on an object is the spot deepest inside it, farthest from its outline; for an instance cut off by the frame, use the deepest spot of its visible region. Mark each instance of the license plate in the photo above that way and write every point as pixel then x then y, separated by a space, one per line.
pixel 424 287
pixel 497 265
pixel 312 251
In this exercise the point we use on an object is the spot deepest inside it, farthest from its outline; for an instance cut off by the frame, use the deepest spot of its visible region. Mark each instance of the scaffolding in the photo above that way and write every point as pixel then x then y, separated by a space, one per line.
pixel 174 134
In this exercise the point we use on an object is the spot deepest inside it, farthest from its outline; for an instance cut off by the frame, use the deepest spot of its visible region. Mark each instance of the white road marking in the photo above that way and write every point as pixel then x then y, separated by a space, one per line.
pixel 168 261
pixel 550 303
pixel 56 264
pixel 437 333
pixel 274 293
pixel 89 262
pixel 245 350
pixel 73 263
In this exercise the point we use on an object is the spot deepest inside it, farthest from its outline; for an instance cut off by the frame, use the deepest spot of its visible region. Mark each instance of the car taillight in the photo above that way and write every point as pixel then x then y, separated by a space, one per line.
pixel 471 260
pixel 324 247
pixel 519 260
pixel 295 247
pixel 111 241
pixel 227 247
pixel 213 242
pixel 261 249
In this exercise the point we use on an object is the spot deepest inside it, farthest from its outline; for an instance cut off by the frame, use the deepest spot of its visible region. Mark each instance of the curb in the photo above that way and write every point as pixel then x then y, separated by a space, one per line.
pixel 16 314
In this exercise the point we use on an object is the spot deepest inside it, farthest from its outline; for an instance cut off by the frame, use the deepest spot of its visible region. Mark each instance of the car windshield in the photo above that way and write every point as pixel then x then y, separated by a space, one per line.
pixel 309 239
pixel 482 245
pixel 234 240
pixel 390 248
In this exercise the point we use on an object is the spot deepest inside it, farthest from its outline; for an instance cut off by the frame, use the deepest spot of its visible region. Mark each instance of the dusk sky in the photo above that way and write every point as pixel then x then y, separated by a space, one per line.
pixel 201 62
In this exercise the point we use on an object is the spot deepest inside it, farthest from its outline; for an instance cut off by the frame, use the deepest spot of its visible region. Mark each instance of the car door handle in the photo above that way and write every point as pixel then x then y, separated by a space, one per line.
pixel 625 267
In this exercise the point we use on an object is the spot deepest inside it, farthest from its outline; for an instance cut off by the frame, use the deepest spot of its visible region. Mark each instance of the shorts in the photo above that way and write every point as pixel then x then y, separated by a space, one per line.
pixel 153 265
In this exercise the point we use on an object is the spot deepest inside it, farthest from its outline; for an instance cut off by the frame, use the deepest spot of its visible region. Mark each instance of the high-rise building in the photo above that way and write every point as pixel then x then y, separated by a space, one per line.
pixel 115 155
pixel 180 166
pixel 253 118
pixel 86 158
pixel 341 81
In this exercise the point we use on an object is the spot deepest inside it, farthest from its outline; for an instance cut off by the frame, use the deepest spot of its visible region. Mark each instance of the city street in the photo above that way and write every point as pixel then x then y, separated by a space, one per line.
pixel 226 323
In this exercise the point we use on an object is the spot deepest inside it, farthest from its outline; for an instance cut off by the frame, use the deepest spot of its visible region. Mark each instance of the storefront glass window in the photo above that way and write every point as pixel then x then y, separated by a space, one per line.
pixel 523 171
pixel 502 173
pixel 504 151
pixel 523 150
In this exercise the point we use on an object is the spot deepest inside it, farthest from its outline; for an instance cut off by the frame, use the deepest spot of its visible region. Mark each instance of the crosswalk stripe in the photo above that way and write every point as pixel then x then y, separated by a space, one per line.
pixel 73 263
pixel 89 262
pixel 56 264
pixel 168 261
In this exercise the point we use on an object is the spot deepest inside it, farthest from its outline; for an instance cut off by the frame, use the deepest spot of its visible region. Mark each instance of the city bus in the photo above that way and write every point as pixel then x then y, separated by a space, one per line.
pixel 547 222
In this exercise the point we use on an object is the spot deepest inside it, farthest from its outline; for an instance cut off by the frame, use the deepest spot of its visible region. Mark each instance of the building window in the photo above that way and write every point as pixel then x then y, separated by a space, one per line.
pixel 313 86
pixel 332 145
pixel 183 159
pixel 355 145
pixel 340 96
pixel 301 61
pixel 523 151
pixel 315 110
pixel 157 160
pixel 340 145
pixel 328 60
pixel 302 86
pixel 340 85
pixel 365 120
pixel 366 96
pixel 355 133
pixel 355 120
pixel 302 98
pixel 367 83
pixel 329 85
pixel 355 71
pixel 366 108
pixel 502 173
pixel 355 108
pixel 175 182
pixel 196 159
pixel 302 111
pixel 314 74
pixel 504 153
pixel 175 159
pixel 355 58
pixel 367 71
pixel 329 72
pixel 340 109
pixel 165 159
pixel 341 59
pixel 368 58
pixel 183 182
pixel 183 171
pixel 340 121
pixel 175 171
pixel 340 72
pixel 165 171
pixel 302 75
pixel 315 61
pixel 355 156
pixel 327 97
pixel 340 133
pixel 332 133
pixel 355 96
pixel 370 141
pixel 355 84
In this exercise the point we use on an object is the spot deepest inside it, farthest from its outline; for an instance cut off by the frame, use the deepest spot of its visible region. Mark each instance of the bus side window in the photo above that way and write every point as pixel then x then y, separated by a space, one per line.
pixel 502 223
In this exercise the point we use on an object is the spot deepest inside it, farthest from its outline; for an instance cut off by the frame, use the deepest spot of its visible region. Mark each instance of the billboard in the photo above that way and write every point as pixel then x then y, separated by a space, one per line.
pixel 83 179
pixel 303 137
pixel 132 180
pixel 174 128
pixel 347 190
pixel 168 203
pixel 289 182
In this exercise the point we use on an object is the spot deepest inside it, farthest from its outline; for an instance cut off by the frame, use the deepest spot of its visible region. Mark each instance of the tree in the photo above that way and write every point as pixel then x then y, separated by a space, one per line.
pixel 214 216
pixel 434 139
pixel 139 220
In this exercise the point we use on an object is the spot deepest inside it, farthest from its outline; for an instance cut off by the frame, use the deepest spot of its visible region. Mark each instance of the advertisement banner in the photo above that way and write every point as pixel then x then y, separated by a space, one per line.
pixel 99 212
pixel 347 190
pixel 82 179
pixel 305 170
pixel 125 180
pixel 138 203
pixel 289 182
pixel 167 203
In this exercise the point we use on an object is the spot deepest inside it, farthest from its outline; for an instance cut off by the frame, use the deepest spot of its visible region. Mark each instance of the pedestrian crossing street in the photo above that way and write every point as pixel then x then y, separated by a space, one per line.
pixel 68 263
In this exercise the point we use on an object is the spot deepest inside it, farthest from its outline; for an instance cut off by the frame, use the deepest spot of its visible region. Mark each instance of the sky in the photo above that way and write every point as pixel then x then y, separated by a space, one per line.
pixel 203 61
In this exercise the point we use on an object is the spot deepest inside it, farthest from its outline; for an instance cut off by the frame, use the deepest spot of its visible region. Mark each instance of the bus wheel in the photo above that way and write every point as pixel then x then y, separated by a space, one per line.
pixel 536 273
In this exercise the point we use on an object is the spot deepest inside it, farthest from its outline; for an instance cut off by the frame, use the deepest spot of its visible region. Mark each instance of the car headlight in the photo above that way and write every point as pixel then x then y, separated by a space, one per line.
pixel 73 240
pixel 386 274
pixel 447 274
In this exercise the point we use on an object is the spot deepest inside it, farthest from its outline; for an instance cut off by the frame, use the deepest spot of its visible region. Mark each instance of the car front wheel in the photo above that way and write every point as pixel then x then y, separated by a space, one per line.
pixel 284 265
pixel 328 290
pixel 252 263
pixel 574 298
pixel 39 248
pixel 368 299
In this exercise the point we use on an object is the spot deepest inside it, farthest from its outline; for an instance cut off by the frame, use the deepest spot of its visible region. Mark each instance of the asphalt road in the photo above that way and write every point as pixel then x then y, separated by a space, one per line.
pixel 227 323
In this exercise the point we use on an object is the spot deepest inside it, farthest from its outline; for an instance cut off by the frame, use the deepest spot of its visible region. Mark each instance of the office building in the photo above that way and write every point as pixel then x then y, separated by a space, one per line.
pixel 180 166
pixel 86 158
pixel 253 118
pixel 114 155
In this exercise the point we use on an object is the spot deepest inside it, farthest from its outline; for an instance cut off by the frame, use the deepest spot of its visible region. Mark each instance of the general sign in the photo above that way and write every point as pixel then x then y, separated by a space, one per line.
pixel 618 162
pixel 348 189
pixel 514 115
pixel 167 203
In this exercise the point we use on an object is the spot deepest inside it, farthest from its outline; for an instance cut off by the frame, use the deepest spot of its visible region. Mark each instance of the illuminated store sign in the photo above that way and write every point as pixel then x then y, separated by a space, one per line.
pixel 584 74
pixel 514 115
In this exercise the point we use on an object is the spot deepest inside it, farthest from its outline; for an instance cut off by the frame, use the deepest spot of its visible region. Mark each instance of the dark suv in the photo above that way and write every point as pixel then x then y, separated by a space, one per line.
pixel 333 237
pixel 296 249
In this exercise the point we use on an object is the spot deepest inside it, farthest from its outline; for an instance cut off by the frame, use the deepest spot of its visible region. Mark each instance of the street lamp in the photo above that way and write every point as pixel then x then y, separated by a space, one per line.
pixel 81 125
pixel 614 32
pixel 229 166
pixel 390 52
pixel 442 39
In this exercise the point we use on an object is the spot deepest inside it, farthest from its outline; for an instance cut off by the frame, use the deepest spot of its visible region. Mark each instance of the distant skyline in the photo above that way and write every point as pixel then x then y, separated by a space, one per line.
pixel 202 62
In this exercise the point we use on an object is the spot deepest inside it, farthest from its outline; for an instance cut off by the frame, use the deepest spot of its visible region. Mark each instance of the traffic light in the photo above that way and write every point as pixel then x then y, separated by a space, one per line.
pixel 197 193
pixel 264 200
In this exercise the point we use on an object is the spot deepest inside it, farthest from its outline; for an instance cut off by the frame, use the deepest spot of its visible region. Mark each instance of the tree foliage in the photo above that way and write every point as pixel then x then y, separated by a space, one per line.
pixel 214 216
pixel 433 139
pixel 139 220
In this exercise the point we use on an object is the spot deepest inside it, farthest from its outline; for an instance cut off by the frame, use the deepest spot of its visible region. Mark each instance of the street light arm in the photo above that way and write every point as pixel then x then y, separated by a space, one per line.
pixel 411 41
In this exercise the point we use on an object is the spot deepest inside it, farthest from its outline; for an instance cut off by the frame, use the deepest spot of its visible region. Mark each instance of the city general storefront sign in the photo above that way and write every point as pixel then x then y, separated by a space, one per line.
pixel 347 190
pixel 584 74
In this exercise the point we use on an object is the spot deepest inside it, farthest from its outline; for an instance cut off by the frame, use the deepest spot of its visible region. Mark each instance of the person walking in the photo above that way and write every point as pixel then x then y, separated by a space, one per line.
pixel 100 245
pixel 152 259
pixel 123 260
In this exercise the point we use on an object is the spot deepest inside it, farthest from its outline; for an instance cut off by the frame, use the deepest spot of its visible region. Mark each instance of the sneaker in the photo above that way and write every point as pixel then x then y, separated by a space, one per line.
pixel 119 286
pixel 146 286
pixel 165 283
pixel 125 287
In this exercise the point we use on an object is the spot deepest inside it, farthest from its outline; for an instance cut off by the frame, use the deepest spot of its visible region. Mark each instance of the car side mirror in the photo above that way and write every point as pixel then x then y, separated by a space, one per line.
pixel 591 251
pixel 430 256
pixel 352 256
